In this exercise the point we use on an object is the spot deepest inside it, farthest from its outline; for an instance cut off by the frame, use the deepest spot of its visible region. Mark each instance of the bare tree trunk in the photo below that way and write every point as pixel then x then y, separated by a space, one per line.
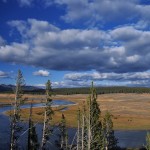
pixel 66 142
pixel 78 131
pixel 62 143
pixel 29 131
pixel 44 131
pixel 12 140
pixel 89 125
pixel 83 127
pixel 14 119
pixel 89 136
pixel 47 115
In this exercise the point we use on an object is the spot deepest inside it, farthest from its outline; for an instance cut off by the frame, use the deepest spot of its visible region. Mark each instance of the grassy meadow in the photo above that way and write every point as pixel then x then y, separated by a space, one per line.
pixel 130 111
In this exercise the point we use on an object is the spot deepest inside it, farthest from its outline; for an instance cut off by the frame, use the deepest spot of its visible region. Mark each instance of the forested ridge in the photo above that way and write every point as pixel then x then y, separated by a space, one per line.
pixel 102 90
pixel 81 90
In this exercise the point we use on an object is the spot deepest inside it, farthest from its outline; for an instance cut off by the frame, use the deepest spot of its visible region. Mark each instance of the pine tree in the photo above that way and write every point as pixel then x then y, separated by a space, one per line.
pixel 147 141
pixel 110 142
pixel 63 134
pixel 94 126
pixel 32 135
pixel 89 137
pixel 15 118
pixel 48 113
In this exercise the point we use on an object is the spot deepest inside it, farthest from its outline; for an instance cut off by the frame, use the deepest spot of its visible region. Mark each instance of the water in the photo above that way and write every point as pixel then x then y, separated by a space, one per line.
pixel 5 123
pixel 125 138
pixel 55 103
pixel 132 139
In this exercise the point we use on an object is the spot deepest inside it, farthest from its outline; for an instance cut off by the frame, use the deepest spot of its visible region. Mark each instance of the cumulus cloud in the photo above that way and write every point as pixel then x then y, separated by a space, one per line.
pixel 124 49
pixel 96 76
pixel 43 73
pixel 98 12
pixel 76 79
pixel 116 54
pixel 70 84
pixel 109 79
pixel 66 84
pixel 106 83
pixel 104 11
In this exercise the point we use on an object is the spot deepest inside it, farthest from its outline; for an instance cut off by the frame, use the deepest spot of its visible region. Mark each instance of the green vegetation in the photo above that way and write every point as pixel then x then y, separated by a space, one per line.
pixel 102 90
pixel 83 90
pixel 91 133
pixel 110 142
pixel 63 137
pixel 147 141
pixel 15 117
pixel 32 135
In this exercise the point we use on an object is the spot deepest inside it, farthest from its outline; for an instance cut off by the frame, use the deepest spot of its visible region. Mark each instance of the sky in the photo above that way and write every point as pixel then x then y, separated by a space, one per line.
pixel 74 42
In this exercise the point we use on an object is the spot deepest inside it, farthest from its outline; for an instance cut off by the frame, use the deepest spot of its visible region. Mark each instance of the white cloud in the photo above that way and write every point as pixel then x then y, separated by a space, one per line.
pixel 126 33
pixel 98 12
pixel 70 84
pixel 104 11
pixel 133 59
pixel 65 84
pixel 45 45
pixel 96 76
pixel 43 73
pixel 73 79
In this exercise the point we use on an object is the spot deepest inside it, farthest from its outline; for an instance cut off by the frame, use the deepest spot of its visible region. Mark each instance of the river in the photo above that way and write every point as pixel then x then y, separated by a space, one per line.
pixel 129 138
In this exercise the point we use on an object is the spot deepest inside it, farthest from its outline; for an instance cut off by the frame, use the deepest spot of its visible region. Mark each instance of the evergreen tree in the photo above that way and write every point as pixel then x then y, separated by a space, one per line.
pixel 32 136
pixel 15 117
pixel 110 142
pixel 63 134
pixel 147 141
pixel 94 126
pixel 48 113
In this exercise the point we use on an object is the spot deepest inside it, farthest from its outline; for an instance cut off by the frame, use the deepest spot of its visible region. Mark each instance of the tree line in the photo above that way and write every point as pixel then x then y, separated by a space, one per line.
pixel 100 90
pixel 84 90
pixel 93 131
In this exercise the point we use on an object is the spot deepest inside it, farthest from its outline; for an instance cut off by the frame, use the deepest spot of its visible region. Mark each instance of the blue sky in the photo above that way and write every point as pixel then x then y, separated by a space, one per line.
pixel 74 42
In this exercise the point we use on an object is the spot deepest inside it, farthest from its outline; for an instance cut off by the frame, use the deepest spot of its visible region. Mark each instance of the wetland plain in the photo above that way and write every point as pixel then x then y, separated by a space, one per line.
pixel 130 111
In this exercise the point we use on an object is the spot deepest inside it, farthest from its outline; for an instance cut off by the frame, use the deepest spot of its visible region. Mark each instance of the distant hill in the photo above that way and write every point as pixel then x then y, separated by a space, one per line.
pixel 5 88
pixel 80 90
pixel 10 88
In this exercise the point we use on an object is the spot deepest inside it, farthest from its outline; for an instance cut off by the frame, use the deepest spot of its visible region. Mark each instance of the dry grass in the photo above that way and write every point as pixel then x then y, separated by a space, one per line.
pixel 130 111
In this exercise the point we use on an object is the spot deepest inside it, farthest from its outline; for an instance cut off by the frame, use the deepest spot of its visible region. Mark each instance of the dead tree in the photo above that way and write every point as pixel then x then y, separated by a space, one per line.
pixel 15 117
pixel 48 113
